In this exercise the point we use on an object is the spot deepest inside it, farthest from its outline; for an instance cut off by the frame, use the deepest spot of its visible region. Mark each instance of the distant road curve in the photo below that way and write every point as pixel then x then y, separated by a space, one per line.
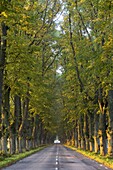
pixel 56 157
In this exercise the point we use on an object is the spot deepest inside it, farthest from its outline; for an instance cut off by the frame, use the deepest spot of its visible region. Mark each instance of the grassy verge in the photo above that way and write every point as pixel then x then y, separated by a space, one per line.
pixel 105 160
pixel 6 160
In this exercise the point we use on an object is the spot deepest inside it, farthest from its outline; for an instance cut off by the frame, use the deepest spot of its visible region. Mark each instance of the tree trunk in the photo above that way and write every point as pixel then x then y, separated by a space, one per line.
pixel 102 133
pixel 41 133
pixel 91 140
pixel 96 139
pixel 102 122
pixel 79 135
pixel 4 144
pixel 3 44
pixel 33 136
pixel 110 123
pixel 86 132
pixel 34 131
pixel 5 118
pixel 81 141
pixel 73 138
pixel 76 136
pixel 20 140
pixel 14 143
pixel 29 127
pixel 18 118
pixel 37 133
pixel 22 129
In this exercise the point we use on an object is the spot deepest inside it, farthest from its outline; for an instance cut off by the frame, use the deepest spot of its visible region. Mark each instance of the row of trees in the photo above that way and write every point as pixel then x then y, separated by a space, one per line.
pixel 87 75
pixel 28 63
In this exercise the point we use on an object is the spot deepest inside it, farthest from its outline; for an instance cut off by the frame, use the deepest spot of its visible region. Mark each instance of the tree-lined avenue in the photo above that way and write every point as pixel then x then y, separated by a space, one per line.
pixel 56 75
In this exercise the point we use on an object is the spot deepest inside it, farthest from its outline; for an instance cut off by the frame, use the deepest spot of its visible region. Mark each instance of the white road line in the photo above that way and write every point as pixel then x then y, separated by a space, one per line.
pixel 57 160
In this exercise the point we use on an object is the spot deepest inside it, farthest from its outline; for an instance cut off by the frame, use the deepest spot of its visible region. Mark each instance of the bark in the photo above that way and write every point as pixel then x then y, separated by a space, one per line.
pixel 73 138
pixel 35 131
pixel 86 132
pixel 76 136
pixel 44 136
pixel 0 145
pixel 29 144
pixel 41 133
pixel 5 118
pixel 3 44
pixel 79 135
pixel 14 143
pixel 102 133
pixel 29 127
pixel 110 123
pixel 22 129
pixel 1 78
pixel 33 136
pixel 96 138
pixel 4 144
pixel 20 140
pixel 18 117
pixel 81 141
pixel 91 130
pixel 102 123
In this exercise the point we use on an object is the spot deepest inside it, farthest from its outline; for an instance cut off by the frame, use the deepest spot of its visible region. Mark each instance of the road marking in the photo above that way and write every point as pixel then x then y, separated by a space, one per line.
pixel 57 161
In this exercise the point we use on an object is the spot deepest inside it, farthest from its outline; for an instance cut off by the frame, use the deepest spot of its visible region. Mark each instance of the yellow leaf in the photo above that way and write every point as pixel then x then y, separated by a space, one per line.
pixel 4 14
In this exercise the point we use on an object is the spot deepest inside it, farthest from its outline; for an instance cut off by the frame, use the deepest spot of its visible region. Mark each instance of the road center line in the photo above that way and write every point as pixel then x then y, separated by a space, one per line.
pixel 57 160
pixel 56 163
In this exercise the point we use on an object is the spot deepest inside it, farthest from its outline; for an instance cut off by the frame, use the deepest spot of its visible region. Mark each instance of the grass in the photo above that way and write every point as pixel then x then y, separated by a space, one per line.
pixel 6 160
pixel 105 160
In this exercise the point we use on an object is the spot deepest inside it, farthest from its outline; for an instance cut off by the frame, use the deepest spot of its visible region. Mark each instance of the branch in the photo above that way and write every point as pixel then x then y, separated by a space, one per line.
pixel 81 18
pixel 44 22
pixel 74 54
pixel 51 62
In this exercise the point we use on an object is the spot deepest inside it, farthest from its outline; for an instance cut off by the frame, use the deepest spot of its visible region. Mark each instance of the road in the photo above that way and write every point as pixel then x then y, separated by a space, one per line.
pixel 56 157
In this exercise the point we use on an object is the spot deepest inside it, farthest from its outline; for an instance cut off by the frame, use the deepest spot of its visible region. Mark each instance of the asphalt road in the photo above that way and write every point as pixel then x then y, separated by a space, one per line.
pixel 56 157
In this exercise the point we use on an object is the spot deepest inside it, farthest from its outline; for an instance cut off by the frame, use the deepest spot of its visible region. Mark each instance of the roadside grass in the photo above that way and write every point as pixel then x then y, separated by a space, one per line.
pixel 6 160
pixel 105 160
